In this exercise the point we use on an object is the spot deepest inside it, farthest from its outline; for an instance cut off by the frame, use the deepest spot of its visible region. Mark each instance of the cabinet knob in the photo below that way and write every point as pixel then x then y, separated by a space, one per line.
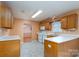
pixel 49 46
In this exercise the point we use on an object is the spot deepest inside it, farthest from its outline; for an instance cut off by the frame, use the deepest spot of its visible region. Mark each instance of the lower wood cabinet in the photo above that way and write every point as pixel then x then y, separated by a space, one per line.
pixel 64 49
pixel 10 48
pixel 50 49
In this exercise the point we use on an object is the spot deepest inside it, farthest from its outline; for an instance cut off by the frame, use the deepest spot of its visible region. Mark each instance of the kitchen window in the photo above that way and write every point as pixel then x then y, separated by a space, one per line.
pixel 56 26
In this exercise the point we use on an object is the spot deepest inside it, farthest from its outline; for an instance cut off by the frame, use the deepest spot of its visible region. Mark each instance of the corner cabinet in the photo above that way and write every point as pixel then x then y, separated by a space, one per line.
pixel 69 22
pixel 6 18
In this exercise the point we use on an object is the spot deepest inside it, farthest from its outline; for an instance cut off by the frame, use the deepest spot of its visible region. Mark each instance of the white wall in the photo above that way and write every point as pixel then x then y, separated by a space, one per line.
pixel 4 31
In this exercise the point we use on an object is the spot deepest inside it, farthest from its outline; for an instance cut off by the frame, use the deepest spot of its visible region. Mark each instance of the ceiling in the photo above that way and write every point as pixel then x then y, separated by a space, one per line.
pixel 25 9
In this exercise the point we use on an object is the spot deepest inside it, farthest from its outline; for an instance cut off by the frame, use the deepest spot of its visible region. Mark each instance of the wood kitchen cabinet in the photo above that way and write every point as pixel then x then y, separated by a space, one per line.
pixel 10 48
pixel 47 24
pixel 6 18
pixel 72 21
pixel 64 22
pixel 69 22
pixel 0 21
pixel 64 49
pixel 50 49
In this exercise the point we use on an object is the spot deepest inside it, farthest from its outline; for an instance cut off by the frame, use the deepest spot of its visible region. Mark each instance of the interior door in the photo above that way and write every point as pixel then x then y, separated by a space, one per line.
pixel 27 32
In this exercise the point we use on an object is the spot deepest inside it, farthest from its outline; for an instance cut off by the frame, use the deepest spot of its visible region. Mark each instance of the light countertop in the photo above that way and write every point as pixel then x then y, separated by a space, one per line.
pixel 62 38
pixel 5 38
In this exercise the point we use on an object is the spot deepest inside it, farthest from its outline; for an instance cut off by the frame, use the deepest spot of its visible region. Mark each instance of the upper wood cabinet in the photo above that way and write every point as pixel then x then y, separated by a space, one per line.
pixel 69 22
pixel 0 20
pixel 47 24
pixel 6 18
pixel 72 21
pixel 64 22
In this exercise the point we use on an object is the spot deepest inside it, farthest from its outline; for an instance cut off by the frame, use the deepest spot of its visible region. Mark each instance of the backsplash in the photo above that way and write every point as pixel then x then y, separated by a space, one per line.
pixel 70 32
pixel 76 32
pixel 4 32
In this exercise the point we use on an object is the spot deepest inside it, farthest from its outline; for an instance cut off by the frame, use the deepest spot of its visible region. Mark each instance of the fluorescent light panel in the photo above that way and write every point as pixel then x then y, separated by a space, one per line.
pixel 37 13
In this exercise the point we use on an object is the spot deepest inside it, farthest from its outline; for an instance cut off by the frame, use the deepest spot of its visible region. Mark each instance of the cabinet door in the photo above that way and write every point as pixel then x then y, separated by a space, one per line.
pixel 0 20
pixel 10 48
pixel 6 18
pixel 42 24
pixel 50 49
pixel 47 25
pixel 72 21
pixel 1 15
pixel 64 22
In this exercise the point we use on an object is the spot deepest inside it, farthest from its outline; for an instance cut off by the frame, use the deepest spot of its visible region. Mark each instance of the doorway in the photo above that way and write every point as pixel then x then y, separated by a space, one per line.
pixel 27 32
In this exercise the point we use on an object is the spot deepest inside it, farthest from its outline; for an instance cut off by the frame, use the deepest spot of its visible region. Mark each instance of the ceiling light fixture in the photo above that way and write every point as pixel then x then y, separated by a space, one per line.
pixel 37 13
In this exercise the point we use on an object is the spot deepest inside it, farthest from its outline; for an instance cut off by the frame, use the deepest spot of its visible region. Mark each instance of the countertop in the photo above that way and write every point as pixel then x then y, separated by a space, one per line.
pixel 62 38
pixel 5 38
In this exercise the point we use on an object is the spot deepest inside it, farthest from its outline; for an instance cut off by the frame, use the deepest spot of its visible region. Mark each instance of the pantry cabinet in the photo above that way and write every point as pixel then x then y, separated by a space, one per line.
pixel 69 21
pixel 6 18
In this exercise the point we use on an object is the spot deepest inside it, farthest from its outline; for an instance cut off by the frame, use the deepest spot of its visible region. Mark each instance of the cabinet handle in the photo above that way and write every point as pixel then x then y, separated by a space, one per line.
pixel 49 46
